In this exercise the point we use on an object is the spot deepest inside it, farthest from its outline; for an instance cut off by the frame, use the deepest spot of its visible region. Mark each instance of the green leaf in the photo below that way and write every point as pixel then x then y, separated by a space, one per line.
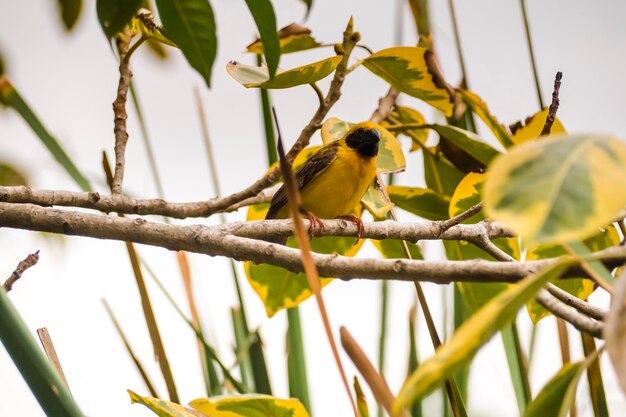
pixel 533 126
pixel 558 190
pixel 422 202
pixel 292 38
pixel 413 71
pixel 10 176
pixel 390 156
pixel 557 396
pixel 265 19
pixel 467 142
pixel 475 332
pixel 191 25
pixel 440 175
pixel 479 107
pixel 296 359
pixel 10 97
pixel 115 14
pixel 42 379
pixel 160 407
pixel 249 405
pixel 258 77
pixel 375 203
pixel 70 11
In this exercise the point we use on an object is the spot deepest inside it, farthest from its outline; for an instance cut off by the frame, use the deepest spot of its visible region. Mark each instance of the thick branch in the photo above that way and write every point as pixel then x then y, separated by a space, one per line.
pixel 214 241
pixel 578 320
pixel 119 111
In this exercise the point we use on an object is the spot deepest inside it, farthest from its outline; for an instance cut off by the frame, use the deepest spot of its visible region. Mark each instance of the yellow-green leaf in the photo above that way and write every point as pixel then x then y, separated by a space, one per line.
pixel 420 201
pixel 557 396
pixel 258 77
pixel 292 38
pixel 390 156
pixel 475 332
pixel 466 195
pixel 405 115
pixel 579 287
pixel 467 142
pixel 361 401
pixel 160 407
pixel 413 71
pixel 10 176
pixel 154 32
pixel 558 190
pixel 533 127
pixel 375 203
pixel 249 405
pixel 479 107
pixel 278 288
pixel 439 173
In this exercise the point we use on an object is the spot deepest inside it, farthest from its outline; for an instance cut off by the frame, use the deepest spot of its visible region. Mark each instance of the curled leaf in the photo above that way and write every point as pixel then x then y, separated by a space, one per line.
pixel 292 38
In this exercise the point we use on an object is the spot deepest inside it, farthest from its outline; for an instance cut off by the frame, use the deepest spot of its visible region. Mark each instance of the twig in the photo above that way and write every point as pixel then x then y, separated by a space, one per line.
pixel 119 111
pixel 51 353
pixel 24 264
pixel 385 106
pixel 584 307
pixel 554 106
pixel 576 319
pixel 214 242
pixel 374 380
pixel 453 221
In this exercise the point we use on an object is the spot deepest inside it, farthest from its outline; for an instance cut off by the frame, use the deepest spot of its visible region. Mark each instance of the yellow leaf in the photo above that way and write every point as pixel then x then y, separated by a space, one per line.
pixel 533 127
pixel 258 77
pixel 414 71
pixel 162 408
pixel 558 190
pixel 249 405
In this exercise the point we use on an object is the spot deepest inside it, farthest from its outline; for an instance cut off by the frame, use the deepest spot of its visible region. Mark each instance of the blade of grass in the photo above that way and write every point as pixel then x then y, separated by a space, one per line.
pixel 146 305
pixel 517 366
pixel 43 380
pixel 460 315
pixel 131 353
pixel 211 381
pixel 268 122
pixel 416 408
pixel 10 97
pixel 384 305
pixel 565 352
pixel 51 352
pixel 210 350
pixel 296 365
pixel 293 199
pixel 594 376
pixel 242 344
pixel 531 52
pixel 257 358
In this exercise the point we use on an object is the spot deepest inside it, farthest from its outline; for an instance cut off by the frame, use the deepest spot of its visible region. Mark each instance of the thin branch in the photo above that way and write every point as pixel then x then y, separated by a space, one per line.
pixel 584 307
pixel 578 320
pixel 24 264
pixel 385 106
pixel 554 106
pixel 214 242
pixel 119 111
pixel 51 353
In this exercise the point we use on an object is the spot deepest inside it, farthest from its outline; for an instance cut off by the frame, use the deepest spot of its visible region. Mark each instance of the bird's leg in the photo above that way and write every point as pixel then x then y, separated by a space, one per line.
pixel 359 223
pixel 314 223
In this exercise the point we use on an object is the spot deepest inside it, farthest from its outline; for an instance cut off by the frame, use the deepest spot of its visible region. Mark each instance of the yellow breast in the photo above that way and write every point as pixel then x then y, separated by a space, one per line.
pixel 339 188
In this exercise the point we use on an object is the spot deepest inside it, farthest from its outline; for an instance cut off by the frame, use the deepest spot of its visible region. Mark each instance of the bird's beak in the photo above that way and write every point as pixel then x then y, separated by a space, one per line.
pixel 376 133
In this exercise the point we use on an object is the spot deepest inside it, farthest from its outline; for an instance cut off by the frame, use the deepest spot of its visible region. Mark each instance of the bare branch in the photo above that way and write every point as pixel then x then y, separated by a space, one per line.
pixel 24 264
pixel 119 111
pixel 554 106
pixel 584 307
pixel 385 106
pixel 570 315
pixel 214 241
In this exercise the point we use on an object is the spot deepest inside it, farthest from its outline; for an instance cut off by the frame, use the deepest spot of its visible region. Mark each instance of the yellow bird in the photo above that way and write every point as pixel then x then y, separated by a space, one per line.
pixel 334 179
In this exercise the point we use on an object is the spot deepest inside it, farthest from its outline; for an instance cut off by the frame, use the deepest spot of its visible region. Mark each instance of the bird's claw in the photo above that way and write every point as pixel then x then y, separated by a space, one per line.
pixel 359 224
pixel 314 223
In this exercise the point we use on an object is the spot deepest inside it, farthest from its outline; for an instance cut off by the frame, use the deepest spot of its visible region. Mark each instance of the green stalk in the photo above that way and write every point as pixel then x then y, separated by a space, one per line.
pixel 43 380
pixel 10 97
pixel 532 54
pixel 517 366
pixel 384 304
pixel 296 365
pixel 242 346
pixel 416 408
pixel 460 315
pixel 147 142
pixel 268 122
pixel 594 376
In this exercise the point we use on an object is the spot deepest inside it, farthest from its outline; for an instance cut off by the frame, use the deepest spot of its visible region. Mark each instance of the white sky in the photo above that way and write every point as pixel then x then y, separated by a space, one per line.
pixel 70 81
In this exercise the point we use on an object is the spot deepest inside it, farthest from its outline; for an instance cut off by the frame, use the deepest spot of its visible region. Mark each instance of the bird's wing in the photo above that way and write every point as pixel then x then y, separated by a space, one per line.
pixel 311 168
